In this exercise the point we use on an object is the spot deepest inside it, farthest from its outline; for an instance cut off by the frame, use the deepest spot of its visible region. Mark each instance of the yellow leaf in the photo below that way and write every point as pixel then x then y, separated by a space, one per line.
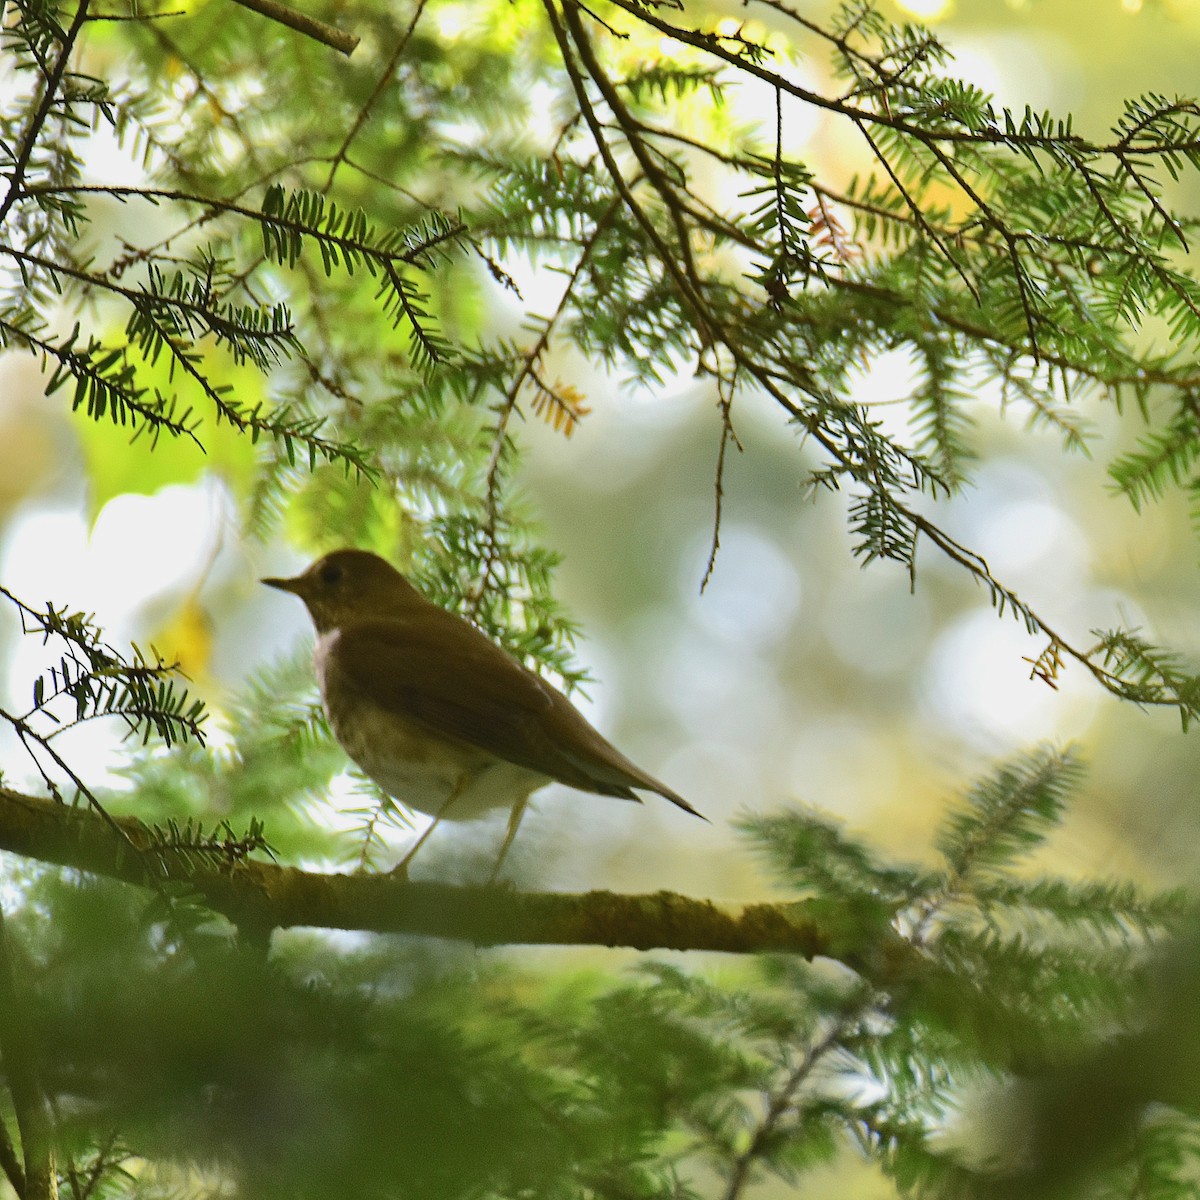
pixel 561 407
pixel 187 638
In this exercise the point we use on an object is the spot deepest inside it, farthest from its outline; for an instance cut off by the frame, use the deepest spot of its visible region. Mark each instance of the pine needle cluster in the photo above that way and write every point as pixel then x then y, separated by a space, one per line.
pixel 348 256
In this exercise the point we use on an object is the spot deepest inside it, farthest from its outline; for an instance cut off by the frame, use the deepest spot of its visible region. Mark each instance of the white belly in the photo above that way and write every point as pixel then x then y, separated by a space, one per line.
pixel 425 776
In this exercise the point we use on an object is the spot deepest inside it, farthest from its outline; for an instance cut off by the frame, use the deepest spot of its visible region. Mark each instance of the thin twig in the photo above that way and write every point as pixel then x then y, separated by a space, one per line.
pixel 138 18
pixel 654 173
pixel 685 285
pixel 728 434
pixel 781 1101
pixel 33 133
pixel 918 214
pixel 319 31
pixel 508 406
pixel 27 735
pixel 339 155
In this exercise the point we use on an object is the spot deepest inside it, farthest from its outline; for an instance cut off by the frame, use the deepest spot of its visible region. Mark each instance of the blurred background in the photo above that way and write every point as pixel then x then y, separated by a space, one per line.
pixel 796 676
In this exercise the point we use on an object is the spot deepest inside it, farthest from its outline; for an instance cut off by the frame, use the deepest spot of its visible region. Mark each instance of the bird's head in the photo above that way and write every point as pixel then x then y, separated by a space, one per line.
pixel 348 586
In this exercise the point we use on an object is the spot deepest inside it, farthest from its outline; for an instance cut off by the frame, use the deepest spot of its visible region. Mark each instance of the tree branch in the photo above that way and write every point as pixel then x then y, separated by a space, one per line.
pixel 20 1068
pixel 329 35
pixel 380 87
pixel 267 896
pixel 50 94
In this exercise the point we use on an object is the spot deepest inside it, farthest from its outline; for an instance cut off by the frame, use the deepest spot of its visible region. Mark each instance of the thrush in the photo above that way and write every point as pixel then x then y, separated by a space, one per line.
pixel 438 715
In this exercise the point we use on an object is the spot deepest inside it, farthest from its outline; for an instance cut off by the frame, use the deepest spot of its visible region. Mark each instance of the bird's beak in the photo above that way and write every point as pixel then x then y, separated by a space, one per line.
pixel 295 585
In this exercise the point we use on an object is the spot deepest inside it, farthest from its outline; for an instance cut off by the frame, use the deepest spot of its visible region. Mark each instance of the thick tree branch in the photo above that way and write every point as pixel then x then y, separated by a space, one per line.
pixel 263 895
pixel 14 1171
pixel 38 1180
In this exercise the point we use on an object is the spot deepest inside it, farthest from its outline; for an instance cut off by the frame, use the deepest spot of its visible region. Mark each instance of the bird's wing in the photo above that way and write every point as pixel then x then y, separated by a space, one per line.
pixel 453 680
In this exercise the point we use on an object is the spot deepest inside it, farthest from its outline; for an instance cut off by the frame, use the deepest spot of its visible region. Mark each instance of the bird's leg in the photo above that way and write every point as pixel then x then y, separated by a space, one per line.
pixel 514 820
pixel 401 868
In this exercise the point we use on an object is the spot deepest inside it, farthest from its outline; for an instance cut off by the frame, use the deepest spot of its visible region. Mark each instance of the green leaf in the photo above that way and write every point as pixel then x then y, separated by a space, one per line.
pixel 115 465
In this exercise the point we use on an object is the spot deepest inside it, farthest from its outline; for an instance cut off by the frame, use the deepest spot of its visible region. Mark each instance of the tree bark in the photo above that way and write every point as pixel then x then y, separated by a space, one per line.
pixel 263 896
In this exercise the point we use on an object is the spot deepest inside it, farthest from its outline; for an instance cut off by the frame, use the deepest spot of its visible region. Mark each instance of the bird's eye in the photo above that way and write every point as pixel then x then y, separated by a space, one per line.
pixel 331 574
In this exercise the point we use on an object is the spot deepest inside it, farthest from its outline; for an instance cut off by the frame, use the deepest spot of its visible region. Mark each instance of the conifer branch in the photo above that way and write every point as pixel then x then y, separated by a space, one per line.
pixel 781 1101
pixel 269 896
pixel 914 208
pixel 105 385
pixel 508 405
pixel 49 97
pixel 889 527
pixel 289 219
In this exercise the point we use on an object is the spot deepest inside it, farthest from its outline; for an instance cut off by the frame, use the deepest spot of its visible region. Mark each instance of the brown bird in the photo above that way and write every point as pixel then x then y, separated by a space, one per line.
pixel 435 713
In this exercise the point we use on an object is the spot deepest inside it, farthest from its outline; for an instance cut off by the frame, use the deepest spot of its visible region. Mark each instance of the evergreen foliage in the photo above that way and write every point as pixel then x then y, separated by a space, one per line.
pixel 398 1073
pixel 337 253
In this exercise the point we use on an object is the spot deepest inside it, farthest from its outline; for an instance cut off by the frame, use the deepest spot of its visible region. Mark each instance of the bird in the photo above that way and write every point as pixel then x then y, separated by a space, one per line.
pixel 438 715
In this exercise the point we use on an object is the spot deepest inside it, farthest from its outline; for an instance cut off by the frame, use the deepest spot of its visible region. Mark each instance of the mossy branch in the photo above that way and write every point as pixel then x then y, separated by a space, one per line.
pixel 263 895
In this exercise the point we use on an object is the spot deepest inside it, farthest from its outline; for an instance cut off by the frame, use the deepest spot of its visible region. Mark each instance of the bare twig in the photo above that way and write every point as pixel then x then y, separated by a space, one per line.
pixel 328 35
pixel 508 406
pixel 138 18
pixel 915 209
pixel 381 83
pixel 728 434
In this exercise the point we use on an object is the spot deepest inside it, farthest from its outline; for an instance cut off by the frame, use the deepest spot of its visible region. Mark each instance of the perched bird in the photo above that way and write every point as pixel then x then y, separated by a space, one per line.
pixel 435 713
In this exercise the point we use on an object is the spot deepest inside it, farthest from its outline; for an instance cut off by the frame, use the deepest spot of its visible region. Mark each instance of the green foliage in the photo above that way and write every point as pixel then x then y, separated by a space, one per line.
pixel 106 385
pixel 1008 815
pixel 275 761
pixel 92 680
pixel 812 852
pixel 346 240
pixel 400 1073
pixel 1000 243
pixel 307 247
pixel 283 1085
pixel 1164 458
